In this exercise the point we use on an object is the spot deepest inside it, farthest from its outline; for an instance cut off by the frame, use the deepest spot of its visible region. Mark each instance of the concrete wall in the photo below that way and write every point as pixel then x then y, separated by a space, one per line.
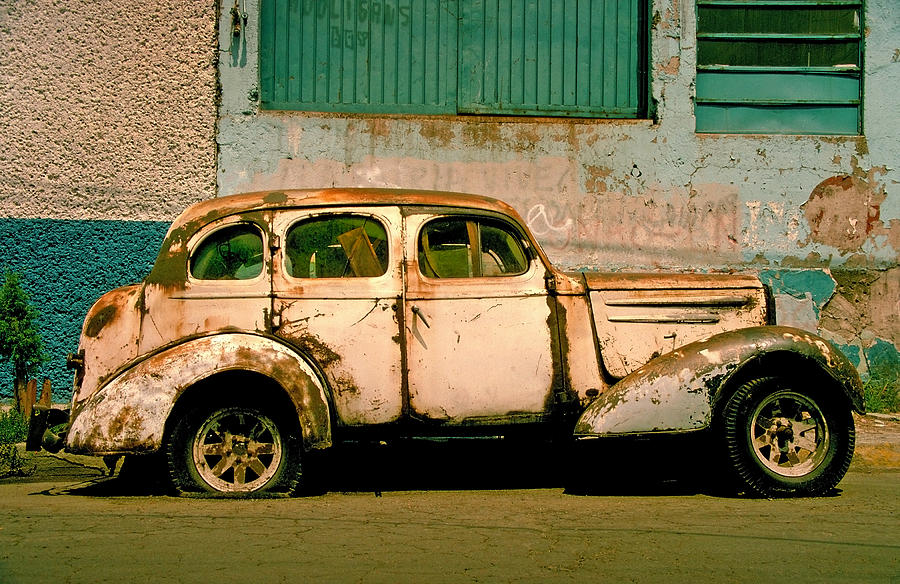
pixel 109 127
pixel 817 217
pixel 107 131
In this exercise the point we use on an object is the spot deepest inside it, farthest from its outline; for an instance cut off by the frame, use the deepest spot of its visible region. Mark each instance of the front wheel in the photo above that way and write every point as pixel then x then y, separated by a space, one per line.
pixel 784 438
pixel 236 449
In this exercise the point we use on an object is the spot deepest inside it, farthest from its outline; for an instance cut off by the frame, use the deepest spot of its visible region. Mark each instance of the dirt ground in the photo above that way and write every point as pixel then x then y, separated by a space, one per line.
pixel 480 516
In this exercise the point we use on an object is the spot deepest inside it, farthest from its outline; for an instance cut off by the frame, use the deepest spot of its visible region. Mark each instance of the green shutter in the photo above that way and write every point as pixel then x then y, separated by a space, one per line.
pixel 779 66
pixel 550 57
pixel 510 57
pixel 358 55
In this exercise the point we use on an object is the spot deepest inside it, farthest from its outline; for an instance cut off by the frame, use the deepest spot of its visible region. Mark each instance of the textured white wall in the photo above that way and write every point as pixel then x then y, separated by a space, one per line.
pixel 107 108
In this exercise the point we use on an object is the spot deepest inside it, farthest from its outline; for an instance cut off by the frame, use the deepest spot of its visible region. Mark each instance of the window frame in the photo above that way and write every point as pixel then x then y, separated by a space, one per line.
pixel 202 235
pixel 714 104
pixel 511 229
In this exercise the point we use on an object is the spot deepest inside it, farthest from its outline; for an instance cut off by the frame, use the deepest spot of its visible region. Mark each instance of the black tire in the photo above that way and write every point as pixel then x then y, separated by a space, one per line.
pixel 784 438
pixel 233 450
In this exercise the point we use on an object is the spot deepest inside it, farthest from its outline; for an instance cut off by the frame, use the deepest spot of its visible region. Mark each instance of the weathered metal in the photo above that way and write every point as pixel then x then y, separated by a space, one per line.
pixel 404 313
pixel 678 391
pixel 129 413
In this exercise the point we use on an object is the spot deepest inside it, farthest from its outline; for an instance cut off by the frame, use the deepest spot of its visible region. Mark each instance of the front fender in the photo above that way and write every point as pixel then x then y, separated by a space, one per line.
pixel 128 414
pixel 677 391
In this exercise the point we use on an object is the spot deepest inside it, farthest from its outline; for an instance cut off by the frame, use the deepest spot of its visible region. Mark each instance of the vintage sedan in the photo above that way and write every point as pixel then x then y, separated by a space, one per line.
pixel 276 324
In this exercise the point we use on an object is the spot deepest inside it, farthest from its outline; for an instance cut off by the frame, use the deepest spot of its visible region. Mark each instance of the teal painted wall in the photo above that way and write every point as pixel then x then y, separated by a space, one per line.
pixel 66 265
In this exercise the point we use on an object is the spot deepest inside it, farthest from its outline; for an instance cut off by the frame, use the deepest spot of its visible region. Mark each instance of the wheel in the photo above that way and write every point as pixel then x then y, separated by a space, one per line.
pixel 783 438
pixel 237 449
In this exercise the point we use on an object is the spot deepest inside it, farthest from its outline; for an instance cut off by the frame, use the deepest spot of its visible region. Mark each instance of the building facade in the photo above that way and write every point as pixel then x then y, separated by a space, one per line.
pixel 696 135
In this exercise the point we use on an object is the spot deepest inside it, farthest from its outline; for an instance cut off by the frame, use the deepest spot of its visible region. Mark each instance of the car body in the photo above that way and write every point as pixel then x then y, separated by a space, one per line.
pixel 275 324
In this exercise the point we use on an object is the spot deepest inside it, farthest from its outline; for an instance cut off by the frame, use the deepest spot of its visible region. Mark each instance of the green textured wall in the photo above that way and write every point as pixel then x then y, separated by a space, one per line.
pixel 66 266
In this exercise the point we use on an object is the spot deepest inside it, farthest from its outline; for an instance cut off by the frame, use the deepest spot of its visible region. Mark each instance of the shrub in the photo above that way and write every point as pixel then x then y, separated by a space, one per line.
pixel 13 429
pixel 882 394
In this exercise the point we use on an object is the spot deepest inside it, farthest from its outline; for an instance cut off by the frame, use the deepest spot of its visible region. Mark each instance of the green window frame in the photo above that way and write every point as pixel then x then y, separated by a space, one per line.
pixel 583 58
pixel 779 66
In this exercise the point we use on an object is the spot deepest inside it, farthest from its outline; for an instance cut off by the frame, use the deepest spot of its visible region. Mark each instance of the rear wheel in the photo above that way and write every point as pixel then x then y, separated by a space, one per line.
pixel 236 449
pixel 783 437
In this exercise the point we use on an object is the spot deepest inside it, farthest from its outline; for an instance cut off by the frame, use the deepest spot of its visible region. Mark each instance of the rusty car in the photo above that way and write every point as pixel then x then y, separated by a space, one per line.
pixel 277 324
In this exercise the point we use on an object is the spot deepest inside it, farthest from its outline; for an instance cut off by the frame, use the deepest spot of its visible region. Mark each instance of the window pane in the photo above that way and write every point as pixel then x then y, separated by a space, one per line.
pixel 338 246
pixel 444 249
pixel 766 19
pixel 501 252
pixel 232 253
pixel 792 68
pixel 778 53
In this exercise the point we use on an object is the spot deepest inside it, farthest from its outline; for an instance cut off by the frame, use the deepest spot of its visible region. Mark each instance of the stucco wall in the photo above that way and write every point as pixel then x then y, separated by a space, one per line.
pixel 817 217
pixel 107 131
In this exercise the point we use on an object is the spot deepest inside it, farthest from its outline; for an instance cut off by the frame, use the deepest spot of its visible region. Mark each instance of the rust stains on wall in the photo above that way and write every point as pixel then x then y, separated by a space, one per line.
pixel 595 178
pixel 437 132
pixel 482 135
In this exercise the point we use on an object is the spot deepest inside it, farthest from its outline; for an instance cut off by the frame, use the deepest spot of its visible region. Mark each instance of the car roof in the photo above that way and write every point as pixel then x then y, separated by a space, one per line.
pixel 212 209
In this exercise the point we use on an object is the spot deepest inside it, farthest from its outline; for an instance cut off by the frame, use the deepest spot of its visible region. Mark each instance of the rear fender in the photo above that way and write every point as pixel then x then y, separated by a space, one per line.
pixel 678 391
pixel 129 413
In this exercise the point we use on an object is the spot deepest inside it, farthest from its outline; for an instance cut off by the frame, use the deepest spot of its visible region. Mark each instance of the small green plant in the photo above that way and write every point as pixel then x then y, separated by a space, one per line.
pixel 882 394
pixel 13 429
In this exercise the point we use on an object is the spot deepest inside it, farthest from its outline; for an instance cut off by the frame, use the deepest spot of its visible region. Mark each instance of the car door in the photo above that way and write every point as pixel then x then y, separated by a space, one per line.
pixel 480 325
pixel 337 287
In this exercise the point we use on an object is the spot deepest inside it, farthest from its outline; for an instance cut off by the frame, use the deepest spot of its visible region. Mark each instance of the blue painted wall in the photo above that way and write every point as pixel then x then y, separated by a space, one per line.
pixel 66 265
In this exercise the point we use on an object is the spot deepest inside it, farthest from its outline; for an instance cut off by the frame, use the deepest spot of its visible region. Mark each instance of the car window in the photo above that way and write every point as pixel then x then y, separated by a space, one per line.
pixel 231 253
pixel 336 246
pixel 447 249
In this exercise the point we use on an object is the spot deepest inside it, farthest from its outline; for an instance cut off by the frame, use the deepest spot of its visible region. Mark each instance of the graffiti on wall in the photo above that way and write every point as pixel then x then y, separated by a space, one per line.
pixel 579 220
pixel 348 20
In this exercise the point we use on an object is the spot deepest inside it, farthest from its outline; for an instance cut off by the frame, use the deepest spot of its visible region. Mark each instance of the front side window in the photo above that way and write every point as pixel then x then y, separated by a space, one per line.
pixel 468 248
pixel 231 253
pixel 337 246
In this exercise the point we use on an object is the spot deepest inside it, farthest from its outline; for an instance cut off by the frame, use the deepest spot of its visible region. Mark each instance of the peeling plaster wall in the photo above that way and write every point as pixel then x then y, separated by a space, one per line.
pixel 107 131
pixel 813 214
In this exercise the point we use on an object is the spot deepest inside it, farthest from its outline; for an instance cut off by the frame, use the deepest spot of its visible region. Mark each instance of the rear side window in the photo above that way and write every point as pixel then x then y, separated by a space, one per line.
pixel 337 246
pixel 459 247
pixel 231 253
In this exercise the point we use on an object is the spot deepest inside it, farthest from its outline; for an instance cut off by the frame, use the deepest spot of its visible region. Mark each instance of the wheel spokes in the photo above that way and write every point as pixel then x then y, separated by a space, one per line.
pixel 789 433
pixel 237 450
pixel 222 466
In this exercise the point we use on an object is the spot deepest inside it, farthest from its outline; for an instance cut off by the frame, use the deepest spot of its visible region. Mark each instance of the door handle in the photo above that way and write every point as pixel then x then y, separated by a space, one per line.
pixel 418 312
